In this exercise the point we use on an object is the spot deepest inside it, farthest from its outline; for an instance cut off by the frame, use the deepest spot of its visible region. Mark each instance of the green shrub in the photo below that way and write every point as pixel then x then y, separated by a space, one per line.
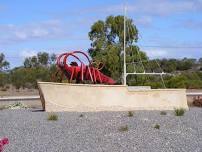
pixel 4 79
pixel 163 113
pixel 130 114
pixel 3 89
pixel 178 81
pixel 179 112
pixel 123 128
pixel 52 117
pixel 17 105
pixel 197 101
pixel 157 126
pixel 2 107
pixel 81 115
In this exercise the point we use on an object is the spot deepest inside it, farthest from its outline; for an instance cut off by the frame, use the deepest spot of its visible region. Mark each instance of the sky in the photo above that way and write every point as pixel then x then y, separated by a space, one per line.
pixel 167 28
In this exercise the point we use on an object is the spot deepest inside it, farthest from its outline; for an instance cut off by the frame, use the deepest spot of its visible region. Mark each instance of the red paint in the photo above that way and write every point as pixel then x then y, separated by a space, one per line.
pixel 81 72
pixel 3 142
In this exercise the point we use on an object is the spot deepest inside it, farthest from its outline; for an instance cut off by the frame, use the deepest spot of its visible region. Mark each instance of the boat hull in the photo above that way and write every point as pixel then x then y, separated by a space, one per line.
pixel 56 97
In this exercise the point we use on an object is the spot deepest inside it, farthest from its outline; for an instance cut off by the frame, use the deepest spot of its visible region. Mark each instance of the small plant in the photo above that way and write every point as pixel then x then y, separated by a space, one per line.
pixel 130 114
pixel 3 89
pixel 179 112
pixel 81 115
pixel 163 113
pixel 197 101
pixel 52 117
pixel 17 105
pixel 2 107
pixel 157 126
pixel 123 128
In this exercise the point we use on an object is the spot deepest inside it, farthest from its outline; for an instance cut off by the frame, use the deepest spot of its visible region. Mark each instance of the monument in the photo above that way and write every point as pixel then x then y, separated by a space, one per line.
pixel 101 93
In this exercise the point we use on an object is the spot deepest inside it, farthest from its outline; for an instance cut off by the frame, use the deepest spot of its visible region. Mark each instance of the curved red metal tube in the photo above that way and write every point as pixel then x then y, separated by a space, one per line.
pixel 81 72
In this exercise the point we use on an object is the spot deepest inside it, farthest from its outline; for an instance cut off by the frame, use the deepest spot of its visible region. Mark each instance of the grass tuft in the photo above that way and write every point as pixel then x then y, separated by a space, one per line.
pixel 81 115
pixel 163 113
pixel 130 114
pixel 157 126
pixel 17 105
pixel 123 128
pixel 179 112
pixel 52 117
pixel 2 107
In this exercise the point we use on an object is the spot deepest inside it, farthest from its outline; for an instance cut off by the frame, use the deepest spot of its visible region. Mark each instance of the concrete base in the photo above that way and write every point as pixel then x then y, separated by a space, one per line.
pixel 81 97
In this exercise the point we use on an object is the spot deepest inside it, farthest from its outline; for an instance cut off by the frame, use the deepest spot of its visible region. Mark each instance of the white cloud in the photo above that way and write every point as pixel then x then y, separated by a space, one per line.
pixel 2 8
pixel 192 24
pixel 28 53
pixel 43 30
pixel 165 7
pixel 154 53
pixel 143 20
pixel 152 7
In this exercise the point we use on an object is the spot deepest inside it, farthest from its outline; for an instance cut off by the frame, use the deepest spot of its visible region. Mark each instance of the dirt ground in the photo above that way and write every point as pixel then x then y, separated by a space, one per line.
pixel 30 92
pixel 21 92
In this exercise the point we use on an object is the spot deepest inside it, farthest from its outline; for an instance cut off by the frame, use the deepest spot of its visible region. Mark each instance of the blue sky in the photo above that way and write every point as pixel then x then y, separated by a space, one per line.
pixel 167 28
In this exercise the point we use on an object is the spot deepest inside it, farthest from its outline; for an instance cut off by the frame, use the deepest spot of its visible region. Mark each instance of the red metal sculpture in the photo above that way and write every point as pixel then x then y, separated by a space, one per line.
pixel 80 72
pixel 3 142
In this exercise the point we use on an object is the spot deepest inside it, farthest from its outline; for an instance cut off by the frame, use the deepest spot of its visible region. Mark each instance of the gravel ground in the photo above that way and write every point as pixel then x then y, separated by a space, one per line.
pixel 30 131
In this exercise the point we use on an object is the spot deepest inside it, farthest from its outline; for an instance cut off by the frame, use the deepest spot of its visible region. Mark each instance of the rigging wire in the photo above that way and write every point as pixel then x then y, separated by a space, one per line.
pixel 144 61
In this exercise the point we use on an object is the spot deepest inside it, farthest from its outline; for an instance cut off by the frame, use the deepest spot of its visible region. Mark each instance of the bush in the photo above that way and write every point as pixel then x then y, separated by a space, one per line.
pixel 178 81
pixel 130 114
pixel 163 113
pixel 3 89
pixel 4 79
pixel 197 101
pixel 17 105
pixel 52 117
pixel 81 115
pixel 27 77
pixel 179 112
pixel 2 107
pixel 157 126
pixel 123 128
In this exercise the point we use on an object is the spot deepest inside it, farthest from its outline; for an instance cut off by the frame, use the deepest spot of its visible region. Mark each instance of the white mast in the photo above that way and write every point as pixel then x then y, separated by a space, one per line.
pixel 124 60
pixel 124 47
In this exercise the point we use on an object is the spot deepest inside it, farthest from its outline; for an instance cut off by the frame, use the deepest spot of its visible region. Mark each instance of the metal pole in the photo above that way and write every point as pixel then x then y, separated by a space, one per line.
pixel 124 46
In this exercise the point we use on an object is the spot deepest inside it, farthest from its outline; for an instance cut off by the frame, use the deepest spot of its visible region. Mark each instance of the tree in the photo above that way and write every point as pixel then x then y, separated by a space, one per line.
pixel 43 58
pixel 31 62
pixel 28 63
pixel 4 79
pixel 52 59
pixel 107 45
pixel 168 65
pixel 200 61
pixel 27 77
pixel 3 63
pixel 185 64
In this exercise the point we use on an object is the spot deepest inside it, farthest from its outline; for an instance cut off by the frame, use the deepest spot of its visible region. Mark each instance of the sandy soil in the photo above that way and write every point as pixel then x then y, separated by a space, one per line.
pixel 30 92
pixel 21 92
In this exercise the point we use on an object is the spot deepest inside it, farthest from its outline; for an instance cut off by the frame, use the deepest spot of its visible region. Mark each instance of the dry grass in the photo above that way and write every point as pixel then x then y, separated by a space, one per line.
pixel 157 126
pixel 163 113
pixel 179 112
pixel 123 128
pixel 52 117
pixel 130 114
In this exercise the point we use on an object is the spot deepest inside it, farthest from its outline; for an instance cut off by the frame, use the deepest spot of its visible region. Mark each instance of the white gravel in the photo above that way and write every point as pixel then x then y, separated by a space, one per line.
pixel 30 131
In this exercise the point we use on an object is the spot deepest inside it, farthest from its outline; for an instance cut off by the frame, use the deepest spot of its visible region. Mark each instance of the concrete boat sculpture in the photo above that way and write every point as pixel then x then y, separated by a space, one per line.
pixel 57 97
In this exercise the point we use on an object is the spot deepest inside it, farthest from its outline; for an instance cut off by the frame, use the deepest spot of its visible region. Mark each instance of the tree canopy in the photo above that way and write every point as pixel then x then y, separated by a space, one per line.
pixel 107 45
pixel 42 59
pixel 3 63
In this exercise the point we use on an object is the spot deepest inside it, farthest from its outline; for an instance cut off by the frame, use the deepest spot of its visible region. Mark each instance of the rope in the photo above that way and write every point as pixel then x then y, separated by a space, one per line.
pixel 143 61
